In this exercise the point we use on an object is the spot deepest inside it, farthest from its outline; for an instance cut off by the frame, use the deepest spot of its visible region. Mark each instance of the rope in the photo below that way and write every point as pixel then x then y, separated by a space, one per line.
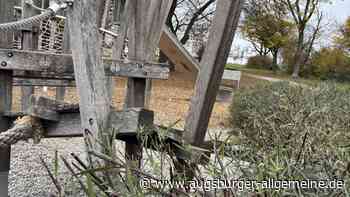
pixel 51 11
pixel 24 129
pixel 13 26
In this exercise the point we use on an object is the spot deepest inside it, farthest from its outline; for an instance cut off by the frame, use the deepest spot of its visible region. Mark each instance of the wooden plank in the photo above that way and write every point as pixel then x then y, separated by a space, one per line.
pixel 43 108
pixel 61 91
pixel 43 82
pixel 5 105
pixel 70 123
pixel 174 50
pixel 137 69
pixel 145 22
pixel 29 42
pixel 213 63
pixel 36 61
pixel 6 15
pixel 90 77
pixel 62 64
pixel 42 75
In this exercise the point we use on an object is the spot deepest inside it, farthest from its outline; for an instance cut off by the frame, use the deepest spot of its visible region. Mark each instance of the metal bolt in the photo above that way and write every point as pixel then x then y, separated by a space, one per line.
pixel 3 64
pixel 10 54
pixel 91 121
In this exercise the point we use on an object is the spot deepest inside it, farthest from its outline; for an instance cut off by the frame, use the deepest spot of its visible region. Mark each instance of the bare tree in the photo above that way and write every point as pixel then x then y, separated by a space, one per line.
pixel 302 12
pixel 184 15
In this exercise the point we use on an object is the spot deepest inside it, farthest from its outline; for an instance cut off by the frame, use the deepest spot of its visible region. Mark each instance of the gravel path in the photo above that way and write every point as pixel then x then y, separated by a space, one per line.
pixel 28 178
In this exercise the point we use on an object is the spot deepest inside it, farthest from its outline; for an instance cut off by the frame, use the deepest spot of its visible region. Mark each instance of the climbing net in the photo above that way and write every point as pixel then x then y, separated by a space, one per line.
pixel 52 35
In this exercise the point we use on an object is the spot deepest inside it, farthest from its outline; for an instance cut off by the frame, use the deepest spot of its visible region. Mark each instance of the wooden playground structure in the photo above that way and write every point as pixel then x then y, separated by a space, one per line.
pixel 80 63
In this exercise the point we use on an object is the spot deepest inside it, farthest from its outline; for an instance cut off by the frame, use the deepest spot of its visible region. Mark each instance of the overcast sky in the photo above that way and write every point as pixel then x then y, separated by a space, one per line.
pixel 340 10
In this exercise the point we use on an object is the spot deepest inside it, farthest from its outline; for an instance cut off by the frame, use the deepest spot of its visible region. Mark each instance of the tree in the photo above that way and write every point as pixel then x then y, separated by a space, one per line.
pixel 343 40
pixel 302 12
pixel 184 15
pixel 266 27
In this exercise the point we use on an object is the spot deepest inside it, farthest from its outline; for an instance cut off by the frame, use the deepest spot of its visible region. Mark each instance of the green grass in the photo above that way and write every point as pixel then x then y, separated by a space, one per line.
pixel 234 66
pixel 269 73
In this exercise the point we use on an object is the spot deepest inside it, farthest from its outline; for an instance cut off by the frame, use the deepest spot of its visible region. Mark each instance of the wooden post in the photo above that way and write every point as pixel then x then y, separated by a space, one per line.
pixel 6 15
pixel 61 91
pixel 29 42
pixel 212 67
pixel 89 74
pixel 145 22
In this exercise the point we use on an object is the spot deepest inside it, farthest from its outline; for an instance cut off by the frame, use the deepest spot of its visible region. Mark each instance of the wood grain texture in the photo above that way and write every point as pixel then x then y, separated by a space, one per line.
pixel 61 91
pixel 6 15
pixel 62 64
pixel 145 21
pixel 126 123
pixel 89 75
pixel 30 39
pixel 174 50
pixel 43 82
pixel 212 67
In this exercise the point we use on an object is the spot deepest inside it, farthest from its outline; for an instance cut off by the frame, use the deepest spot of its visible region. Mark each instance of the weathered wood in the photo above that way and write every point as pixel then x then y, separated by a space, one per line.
pixel 43 75
pixel 233 76
pixel 36 61
pixel 43 82
pixel 5 105
pixel 44 108
pixel 29 42
pixel 61 91
pixel 90 77
pixel 126 123
pixel 62 64
pixel 145 22
pixel 138 69
pixel 176 52
pixel 6 15
pixel 213 63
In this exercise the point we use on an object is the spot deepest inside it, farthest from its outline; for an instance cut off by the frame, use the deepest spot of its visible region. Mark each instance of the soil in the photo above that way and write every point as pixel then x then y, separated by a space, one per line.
pixel 170 99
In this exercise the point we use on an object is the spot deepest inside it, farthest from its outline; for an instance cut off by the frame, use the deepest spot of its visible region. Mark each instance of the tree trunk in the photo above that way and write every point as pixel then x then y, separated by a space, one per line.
pixel 274 59
pixel 298 55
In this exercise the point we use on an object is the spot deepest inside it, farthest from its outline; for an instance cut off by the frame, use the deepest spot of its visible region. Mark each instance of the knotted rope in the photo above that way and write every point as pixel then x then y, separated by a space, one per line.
pixel 17 25
pixel 24 129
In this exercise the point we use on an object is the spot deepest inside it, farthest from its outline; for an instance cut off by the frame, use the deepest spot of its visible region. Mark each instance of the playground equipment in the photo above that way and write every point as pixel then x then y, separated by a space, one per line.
pixel 142 24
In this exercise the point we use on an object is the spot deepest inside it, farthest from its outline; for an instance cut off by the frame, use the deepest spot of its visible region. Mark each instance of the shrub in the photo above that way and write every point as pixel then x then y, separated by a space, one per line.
pixel 331 63
pixel 260 62
pixel 294 133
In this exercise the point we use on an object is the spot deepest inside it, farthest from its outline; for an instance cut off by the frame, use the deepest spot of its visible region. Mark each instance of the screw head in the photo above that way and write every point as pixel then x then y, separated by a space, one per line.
pixel 3 64
pixel 10 54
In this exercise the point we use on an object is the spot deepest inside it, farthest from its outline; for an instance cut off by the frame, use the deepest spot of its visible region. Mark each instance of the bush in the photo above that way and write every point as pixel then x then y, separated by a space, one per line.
pixel 294 133
pixel 329 63
pixel 260 62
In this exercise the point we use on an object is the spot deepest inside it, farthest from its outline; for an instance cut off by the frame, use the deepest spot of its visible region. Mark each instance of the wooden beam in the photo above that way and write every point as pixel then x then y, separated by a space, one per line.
pixel 213 63
pixel 61 91
pixel 176 52
pixel 126 123
pixel 6 38
pixel 30 39
pixel 36 61
pixel 62 64
pixel 137 69
pixel 145 22
pixel 43 82
pixel 85 40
